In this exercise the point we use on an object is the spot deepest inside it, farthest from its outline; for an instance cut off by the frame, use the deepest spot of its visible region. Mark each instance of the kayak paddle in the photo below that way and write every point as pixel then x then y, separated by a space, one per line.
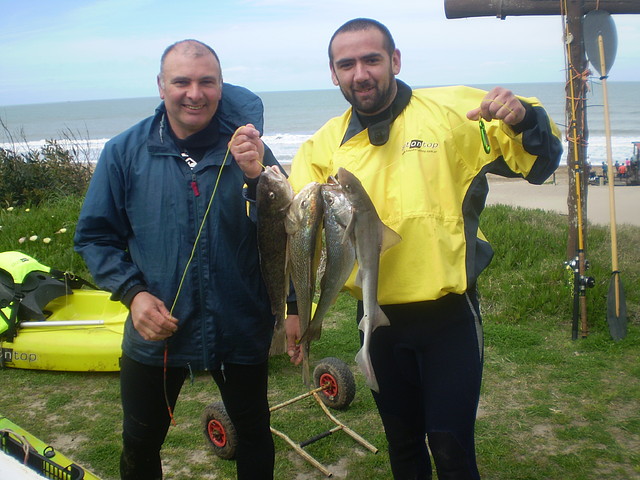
pixel 601 43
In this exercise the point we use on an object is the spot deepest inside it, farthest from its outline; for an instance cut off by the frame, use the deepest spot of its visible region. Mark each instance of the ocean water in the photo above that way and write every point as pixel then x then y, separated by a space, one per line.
pixel 292 117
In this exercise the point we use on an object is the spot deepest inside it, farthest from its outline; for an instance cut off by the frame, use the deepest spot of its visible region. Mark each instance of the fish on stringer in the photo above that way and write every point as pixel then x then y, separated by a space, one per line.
pixel 340 254
pixel 371 238
pixel 274 195
pixel 303 225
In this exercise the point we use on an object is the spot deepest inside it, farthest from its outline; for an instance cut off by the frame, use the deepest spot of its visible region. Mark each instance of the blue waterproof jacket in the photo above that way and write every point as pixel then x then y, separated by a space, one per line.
pixel 140 219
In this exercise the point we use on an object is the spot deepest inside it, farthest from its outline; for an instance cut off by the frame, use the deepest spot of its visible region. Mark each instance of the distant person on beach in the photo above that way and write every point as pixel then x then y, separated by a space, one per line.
pixel 622 171
pixel 422 158
pixel 141 218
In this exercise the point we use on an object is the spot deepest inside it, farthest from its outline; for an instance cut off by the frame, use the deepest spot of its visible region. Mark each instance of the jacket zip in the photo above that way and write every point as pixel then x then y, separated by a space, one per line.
pixel 200 262
pixel 194 185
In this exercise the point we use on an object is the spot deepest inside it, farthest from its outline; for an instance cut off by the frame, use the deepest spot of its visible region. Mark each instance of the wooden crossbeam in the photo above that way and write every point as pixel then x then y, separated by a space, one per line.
pixel 503 8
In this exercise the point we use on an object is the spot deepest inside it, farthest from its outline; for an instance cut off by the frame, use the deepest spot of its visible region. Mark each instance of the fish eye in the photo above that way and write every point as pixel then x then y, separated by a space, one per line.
pixel 272 195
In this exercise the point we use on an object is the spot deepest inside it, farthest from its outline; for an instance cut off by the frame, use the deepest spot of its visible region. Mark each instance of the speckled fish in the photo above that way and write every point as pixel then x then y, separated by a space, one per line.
pixel 371 238
pixel 340 254
pixel 273 199
pixel 303 225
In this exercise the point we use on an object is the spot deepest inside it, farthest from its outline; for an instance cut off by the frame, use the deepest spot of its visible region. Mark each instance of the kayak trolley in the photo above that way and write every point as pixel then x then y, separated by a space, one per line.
pixel 335 388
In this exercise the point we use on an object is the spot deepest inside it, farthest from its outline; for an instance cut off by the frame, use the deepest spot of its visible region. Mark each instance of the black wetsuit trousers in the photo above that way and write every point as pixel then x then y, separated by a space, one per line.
pixel 428 364
pixel 146 418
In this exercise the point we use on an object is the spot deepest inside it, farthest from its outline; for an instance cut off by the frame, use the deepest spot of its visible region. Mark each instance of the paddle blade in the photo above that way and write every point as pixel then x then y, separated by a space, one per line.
pixel 616 308
pixel 598 23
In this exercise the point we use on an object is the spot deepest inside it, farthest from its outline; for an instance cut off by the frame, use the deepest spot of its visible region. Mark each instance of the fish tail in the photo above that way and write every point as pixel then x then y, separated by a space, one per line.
pixel 306 369
pixel 278 341
pixel 313 332
pixel 363 359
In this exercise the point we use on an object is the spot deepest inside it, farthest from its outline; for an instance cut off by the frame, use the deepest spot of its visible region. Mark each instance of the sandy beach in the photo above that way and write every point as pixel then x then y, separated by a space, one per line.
pixel 553 196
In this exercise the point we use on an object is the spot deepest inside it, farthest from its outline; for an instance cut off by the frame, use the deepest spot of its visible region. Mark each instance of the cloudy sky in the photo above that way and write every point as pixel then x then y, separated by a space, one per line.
pixel 67 50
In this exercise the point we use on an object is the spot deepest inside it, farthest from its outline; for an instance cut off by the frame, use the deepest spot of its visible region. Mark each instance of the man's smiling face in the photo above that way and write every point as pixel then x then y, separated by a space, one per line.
pixel 364 70
pixel 191 87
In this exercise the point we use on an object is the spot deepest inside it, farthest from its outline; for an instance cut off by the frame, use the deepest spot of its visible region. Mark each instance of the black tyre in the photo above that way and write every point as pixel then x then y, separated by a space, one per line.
pixel 338 382
pixel 219 432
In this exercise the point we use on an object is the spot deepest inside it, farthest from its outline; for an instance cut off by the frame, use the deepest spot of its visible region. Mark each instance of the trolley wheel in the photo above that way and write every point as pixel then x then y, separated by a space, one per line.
pixel 219 431
pixel 338 382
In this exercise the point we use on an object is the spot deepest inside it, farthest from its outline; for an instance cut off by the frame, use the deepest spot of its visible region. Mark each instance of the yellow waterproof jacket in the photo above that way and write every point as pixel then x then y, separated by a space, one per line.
pixel 428 184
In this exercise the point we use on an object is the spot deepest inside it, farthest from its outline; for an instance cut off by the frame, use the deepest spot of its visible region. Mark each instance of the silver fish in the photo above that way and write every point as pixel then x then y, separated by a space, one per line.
pixel 273 199
pixel 371 238
pixel 303 225
pixel 340 254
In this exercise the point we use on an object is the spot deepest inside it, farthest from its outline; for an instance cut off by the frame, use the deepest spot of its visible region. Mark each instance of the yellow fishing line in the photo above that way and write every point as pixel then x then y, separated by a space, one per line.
pixel 204 219
pixel 184 275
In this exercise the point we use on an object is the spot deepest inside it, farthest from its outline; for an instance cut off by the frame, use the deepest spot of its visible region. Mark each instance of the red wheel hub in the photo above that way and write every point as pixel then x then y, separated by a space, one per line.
pixel 217 434
pixel 329 385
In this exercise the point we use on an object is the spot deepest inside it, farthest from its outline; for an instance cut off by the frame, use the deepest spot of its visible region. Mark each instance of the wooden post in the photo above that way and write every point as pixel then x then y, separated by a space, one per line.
pixel 577 135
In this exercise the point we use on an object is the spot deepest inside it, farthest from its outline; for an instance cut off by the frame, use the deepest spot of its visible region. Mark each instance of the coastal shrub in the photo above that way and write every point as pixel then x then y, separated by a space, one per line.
pixel 31 176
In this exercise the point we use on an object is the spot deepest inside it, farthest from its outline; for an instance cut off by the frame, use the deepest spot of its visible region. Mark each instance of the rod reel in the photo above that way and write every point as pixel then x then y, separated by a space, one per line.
pixel 581 281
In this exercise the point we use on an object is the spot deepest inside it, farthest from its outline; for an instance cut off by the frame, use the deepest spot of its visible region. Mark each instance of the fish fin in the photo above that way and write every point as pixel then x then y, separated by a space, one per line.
pixel 348 231
pixel 389 238
pixel 380 319
pixel 345 238
pixel 291 224
pixel 363 324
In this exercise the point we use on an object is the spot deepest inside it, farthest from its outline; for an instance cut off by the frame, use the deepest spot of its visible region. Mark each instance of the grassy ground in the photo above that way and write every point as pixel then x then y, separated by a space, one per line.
pixel 551 408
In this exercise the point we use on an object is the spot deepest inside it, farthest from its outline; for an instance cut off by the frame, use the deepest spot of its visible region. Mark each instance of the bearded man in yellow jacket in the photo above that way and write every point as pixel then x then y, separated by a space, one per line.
pixel 423 160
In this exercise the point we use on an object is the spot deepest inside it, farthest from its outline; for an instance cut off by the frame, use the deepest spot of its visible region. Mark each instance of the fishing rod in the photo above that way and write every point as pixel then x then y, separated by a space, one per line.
pixel 579 264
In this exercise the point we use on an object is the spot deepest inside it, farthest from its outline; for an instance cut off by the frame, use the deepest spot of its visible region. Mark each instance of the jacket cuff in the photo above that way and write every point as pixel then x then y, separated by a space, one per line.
pixel 127 298
pixel 529 120
pixel 292 308
pixel 252 187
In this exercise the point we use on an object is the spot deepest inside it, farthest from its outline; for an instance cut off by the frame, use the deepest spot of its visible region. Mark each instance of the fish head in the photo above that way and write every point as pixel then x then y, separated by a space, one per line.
pixel 306 207
pixel 274 190
pixel 347 180
pixel 353 189
pixel 336 204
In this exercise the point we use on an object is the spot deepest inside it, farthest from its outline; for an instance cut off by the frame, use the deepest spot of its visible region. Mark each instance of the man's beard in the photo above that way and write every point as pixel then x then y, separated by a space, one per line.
pixel 377 101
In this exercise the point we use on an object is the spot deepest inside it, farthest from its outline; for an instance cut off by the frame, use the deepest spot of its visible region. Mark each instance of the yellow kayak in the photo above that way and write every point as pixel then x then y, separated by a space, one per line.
pixel 82 333
pixel 49 320
pixel 16 443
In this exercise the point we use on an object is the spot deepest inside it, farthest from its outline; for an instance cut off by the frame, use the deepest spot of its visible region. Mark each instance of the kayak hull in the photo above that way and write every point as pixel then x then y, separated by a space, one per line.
pixel 43 459
pixel 86 336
